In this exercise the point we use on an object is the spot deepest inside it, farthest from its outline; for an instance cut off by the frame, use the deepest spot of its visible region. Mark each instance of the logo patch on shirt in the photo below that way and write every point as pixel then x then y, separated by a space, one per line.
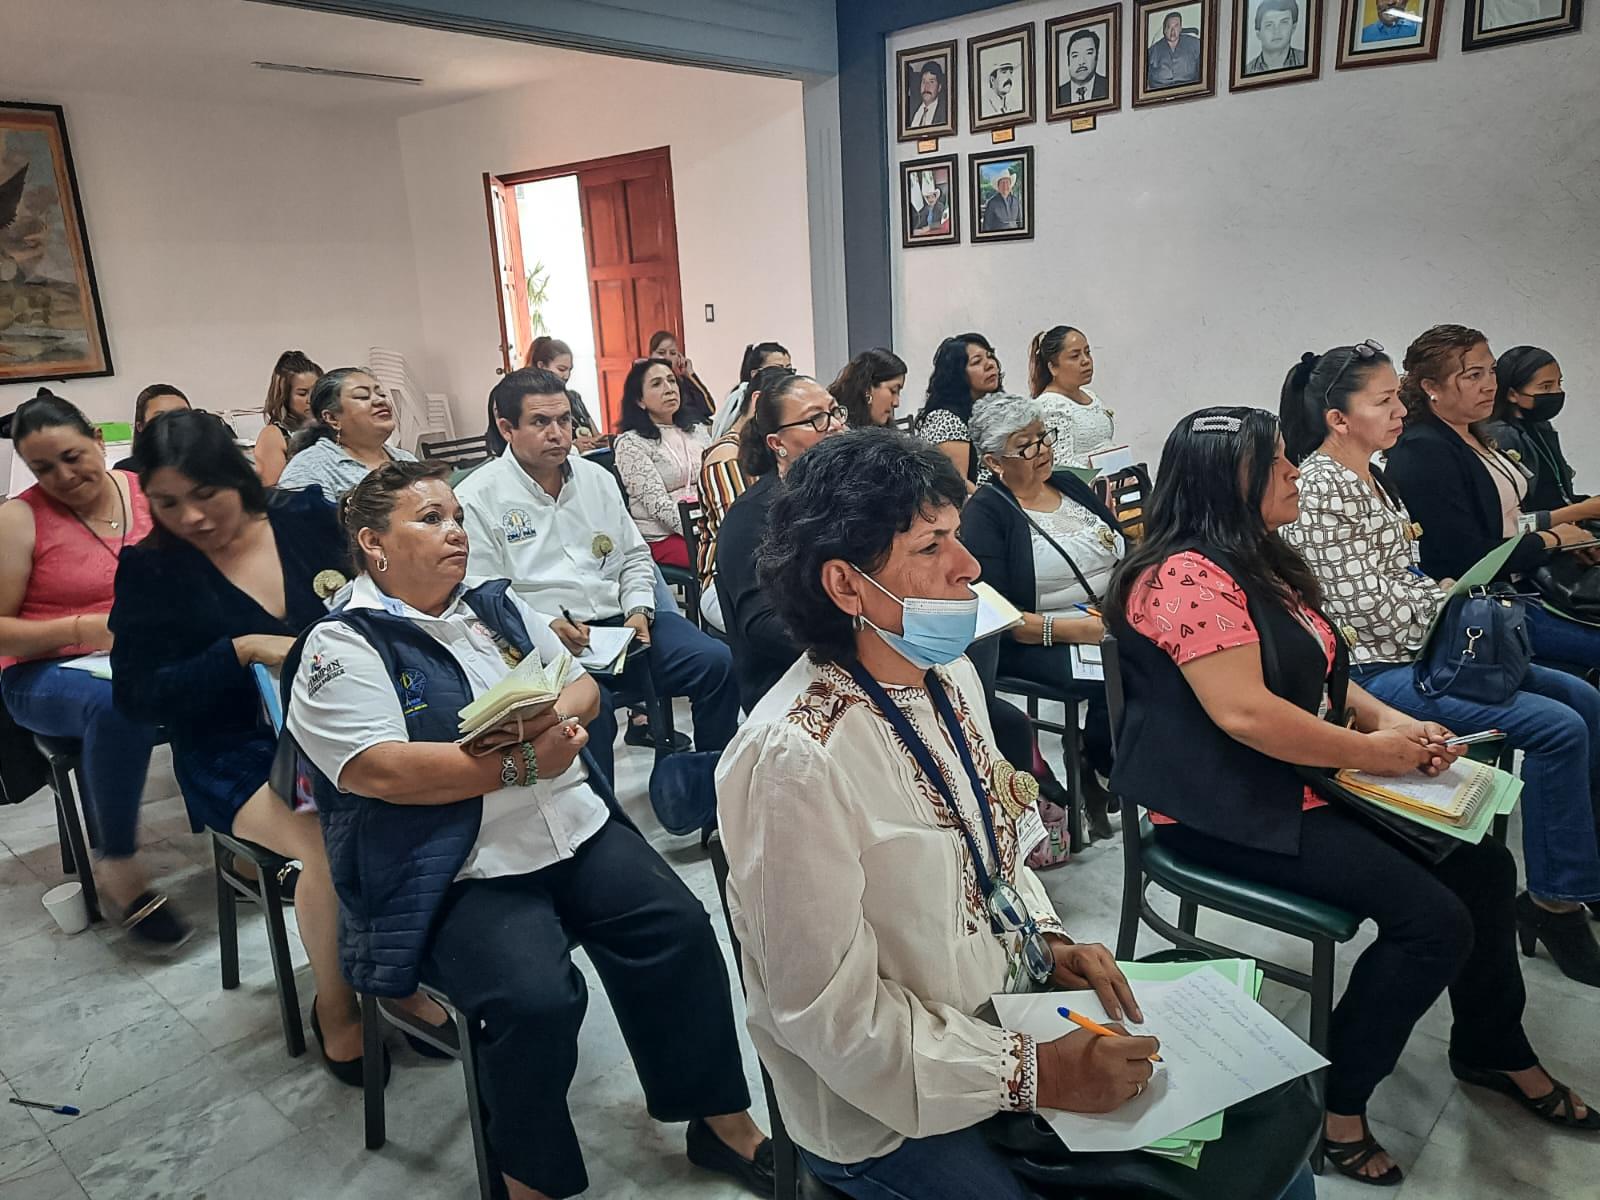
pixel 323 671
pixel 412 682
pixel 517 526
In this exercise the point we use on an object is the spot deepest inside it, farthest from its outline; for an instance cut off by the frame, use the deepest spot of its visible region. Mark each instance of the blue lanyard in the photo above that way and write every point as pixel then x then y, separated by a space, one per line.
pixel 925 761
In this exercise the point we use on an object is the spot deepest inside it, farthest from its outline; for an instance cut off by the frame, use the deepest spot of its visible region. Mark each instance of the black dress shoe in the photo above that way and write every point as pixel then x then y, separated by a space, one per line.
pixel 1566 935
pixel 152 921
pixel 639 734
pixel 350 1073
pixel 707 1150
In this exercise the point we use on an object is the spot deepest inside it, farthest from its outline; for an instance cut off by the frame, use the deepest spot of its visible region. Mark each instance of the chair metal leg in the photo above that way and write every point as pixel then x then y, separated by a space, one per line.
pixel 489 1185
pixel 294 1034
pixel 227 920
pixel 1321 993
pixel 372 1075
pixel 1133 886
pixel 1188 914
pixel 1077 838
pixel 786 1166
pixel 659 708
pixel 68 867
pixel 67 818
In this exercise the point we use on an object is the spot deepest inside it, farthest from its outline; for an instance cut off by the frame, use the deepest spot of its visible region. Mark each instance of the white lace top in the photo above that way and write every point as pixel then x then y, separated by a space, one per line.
pixel 1080 429
pixel 658 474
pixel 1093 547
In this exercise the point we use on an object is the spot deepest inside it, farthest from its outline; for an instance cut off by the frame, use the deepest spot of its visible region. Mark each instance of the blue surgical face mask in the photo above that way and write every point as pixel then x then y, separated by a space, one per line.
pixel 936 631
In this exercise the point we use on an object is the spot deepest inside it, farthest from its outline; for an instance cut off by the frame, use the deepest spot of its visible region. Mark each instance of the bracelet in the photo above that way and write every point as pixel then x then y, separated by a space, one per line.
pixel 530 765
pixel 1049 631
pixel 508 769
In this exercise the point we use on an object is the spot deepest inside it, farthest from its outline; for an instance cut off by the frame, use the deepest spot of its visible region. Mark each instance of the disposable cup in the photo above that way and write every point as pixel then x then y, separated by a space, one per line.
pixel 67 907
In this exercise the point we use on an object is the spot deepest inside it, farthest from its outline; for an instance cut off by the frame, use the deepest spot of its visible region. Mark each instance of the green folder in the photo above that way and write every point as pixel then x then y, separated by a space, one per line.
pixel 1507 788
pixel 1479 574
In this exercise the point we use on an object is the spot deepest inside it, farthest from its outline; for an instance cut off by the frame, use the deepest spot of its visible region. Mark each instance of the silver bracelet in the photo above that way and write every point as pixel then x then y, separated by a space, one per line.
pixel 1049 631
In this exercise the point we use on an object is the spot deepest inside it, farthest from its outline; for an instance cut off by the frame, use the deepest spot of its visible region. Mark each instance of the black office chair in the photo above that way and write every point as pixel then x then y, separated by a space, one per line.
pixel 1146 861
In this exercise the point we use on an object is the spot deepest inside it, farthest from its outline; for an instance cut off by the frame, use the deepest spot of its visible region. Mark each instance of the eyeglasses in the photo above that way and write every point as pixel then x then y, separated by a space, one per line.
pixel 1031 450
pixel 819 421
pixel 1012 915
pixel 1362 351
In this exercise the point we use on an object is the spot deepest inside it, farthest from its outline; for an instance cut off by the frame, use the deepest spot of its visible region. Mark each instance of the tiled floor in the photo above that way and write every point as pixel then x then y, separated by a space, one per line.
pixel 187 1093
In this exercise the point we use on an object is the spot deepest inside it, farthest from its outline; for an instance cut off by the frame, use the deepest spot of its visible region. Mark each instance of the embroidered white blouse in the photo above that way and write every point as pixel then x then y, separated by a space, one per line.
pixel 1080 429
pixel 658 474
pixel 866 945
pixel 1360 546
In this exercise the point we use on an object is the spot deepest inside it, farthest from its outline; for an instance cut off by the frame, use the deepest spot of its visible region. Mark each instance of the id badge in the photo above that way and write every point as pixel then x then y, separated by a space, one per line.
pixel 1031 833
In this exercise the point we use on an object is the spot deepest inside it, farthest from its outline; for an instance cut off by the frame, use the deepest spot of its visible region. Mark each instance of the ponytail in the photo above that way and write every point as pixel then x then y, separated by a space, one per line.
pixel 1045 348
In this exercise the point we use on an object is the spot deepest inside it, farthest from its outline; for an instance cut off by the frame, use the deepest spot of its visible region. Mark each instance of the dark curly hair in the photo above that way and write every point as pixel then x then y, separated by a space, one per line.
pixel 846 498
pixel 947 385
pixel 1434 356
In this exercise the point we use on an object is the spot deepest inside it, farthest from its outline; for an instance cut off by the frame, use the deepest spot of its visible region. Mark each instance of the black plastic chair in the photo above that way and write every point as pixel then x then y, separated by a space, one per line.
pixel 62 756
pixel 1146 861
pixel 458 452
pixel 1071 741
pixel 266 890
pixel 692 520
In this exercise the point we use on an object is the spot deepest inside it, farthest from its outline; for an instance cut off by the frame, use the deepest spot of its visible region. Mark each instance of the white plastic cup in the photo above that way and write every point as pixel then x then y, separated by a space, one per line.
pixel 66 905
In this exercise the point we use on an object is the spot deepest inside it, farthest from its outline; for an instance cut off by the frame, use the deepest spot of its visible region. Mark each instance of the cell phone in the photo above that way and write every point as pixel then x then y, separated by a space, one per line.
pixel 1472 739
pixel 1580 545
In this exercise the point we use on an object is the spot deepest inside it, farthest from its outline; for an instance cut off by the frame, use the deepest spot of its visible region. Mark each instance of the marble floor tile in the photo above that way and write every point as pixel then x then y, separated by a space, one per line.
pixel 50 960
pixel 42 1176
pixel 62 1021
pixel 115 1066
pixel 22 911
pixel 18 1126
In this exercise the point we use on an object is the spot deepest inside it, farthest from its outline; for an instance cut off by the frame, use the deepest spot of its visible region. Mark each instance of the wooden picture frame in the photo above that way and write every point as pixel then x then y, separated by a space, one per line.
pixel 909 69
pixel 991 58
pixel 1487 23
pixel 51 322
pixel 1103 28
pixel 1164 73
pixel 1257 21
pixel 919 225
pixel 1365 42
pixel 984 171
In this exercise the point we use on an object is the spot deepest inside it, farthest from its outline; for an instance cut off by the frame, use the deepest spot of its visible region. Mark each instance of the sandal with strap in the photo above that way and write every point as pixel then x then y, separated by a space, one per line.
pixel 1556 1106
pixel 1349 1157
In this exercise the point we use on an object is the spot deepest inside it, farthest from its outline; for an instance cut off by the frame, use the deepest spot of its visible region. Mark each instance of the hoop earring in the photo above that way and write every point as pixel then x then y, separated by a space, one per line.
pixel 857 623
pixel 383 562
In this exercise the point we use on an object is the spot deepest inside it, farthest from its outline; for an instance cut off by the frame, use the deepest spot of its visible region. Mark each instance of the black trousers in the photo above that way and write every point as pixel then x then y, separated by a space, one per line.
pixel 501 952
pixel 1052 666
pixel 1451 925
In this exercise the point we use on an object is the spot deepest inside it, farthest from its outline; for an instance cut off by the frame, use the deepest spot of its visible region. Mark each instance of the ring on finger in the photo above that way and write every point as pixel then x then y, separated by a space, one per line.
pixel 1138 1090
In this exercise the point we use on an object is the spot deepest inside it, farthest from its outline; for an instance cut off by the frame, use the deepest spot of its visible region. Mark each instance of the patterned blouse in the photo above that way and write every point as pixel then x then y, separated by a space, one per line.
pixel 1079 429
pixel 1362 547
pixel 657 474
pixel 940 426
pixel 721 483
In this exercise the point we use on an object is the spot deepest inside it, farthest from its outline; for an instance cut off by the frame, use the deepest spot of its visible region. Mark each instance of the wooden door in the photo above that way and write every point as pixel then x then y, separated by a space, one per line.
pixel 505 245
pixel 631 239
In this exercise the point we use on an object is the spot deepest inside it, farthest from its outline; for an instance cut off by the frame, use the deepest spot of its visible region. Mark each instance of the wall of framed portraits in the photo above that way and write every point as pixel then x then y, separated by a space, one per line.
pixel 1264 177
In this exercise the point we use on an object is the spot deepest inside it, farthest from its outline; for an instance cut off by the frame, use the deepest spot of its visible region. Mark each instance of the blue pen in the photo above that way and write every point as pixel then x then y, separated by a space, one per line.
pixel 1093 612
pixel 65 1110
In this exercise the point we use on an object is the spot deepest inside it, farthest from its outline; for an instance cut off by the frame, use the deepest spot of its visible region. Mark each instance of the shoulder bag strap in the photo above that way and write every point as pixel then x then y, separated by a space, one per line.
pixel 1088 589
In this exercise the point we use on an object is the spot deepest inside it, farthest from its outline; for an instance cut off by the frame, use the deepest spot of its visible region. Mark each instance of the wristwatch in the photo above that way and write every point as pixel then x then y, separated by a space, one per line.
pixel 641 610
pixel 519 764
pixel 509 773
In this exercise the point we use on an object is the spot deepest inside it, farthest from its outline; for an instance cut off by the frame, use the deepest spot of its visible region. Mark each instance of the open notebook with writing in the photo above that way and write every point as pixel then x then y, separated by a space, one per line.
pixel 1453 797
pixel 526 692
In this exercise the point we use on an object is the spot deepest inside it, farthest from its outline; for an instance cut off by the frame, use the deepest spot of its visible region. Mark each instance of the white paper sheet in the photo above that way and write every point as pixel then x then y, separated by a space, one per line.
pixel 98 665
pixel 1218 1047
pixel 605 643
pixel 995 612
pixel 1087 662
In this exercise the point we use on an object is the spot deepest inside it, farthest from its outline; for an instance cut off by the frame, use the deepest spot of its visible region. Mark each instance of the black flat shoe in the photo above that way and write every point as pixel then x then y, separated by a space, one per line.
pixel 1097 807
pixel 1555 1106
pixel 640 735
pixel 444 1032
pixel 154 922
pixel 288 880
pixel 1348 1158
pixel 705 1149
pixel 351 1072
pixel 1566 935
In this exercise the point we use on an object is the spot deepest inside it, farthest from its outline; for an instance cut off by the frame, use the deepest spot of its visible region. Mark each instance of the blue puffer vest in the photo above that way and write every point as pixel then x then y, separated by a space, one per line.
pixel 392 863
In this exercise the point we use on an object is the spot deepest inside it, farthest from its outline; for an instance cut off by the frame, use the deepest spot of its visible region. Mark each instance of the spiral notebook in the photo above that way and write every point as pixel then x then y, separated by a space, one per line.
pixel 1453 797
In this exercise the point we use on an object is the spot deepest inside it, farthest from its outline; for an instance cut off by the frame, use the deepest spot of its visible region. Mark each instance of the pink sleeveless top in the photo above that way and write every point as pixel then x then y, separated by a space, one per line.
pixel 74 569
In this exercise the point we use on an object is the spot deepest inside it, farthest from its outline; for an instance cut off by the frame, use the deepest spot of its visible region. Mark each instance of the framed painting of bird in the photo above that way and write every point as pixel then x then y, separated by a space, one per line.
pixel 51 323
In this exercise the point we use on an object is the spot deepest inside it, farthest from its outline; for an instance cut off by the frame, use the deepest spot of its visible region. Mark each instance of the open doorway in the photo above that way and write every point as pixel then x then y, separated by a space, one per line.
pixel 588 253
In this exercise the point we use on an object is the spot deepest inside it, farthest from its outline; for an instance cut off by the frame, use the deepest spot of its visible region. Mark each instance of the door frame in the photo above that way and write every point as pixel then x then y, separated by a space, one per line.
pixel 513 178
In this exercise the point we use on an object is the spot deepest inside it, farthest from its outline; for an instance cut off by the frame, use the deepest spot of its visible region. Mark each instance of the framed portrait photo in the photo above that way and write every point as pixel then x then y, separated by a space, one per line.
pixel 926 76
pixel 930 209
pixel 1500 22
pixel 1002 194
pixel 51 325
pixel 1000 79
pixel 1174 51
pixel 1083 64
pixel 1378 33
pixel 1275 41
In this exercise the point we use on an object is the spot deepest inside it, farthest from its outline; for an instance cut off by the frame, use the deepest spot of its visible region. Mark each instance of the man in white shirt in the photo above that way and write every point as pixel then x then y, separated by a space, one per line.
pixel 556 525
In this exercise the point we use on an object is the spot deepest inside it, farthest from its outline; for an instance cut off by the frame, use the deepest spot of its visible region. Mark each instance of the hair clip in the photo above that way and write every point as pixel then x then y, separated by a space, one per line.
pixel 1216 425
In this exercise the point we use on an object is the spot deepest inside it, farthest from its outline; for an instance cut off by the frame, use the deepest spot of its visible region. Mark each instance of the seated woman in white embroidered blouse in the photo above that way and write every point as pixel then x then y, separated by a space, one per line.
pixel 1340 409
pixel 1060 369
pixel 658 456
pixel 965 370
pixel 879 916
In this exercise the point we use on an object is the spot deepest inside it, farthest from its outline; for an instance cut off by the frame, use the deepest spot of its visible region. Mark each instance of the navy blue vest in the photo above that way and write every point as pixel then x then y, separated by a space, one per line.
pixel 393 863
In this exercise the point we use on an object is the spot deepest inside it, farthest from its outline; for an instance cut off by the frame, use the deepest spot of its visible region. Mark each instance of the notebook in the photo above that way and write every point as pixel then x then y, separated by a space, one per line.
pixel 1454 796
pixel 995 613
pixel 526 692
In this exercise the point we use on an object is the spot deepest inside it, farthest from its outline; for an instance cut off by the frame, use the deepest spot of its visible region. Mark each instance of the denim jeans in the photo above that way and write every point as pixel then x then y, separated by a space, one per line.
pixel 954 1166
pixel 1558 642
pixel 50 699
pixel 1554 719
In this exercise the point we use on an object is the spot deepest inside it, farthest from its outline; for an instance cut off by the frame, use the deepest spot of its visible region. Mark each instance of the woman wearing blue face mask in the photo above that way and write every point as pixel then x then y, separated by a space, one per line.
pixel 886 899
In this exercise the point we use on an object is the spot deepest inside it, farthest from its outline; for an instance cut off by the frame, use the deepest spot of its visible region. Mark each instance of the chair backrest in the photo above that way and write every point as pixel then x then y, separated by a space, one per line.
pixel 267 689
pixel 458 452
pixel 692 520
pixel 1116 706
pixel 903 424
pixel 1126 493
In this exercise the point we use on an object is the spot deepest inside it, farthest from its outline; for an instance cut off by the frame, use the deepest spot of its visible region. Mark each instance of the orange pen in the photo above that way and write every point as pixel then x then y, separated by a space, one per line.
pixel 1095 1027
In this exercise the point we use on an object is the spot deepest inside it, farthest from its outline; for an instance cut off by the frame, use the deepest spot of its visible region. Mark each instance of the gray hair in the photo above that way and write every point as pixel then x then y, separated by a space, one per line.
pixel 996 417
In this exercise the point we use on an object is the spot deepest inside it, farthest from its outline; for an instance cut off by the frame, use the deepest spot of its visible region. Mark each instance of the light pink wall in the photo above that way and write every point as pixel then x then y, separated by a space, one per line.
pixel 738 168
pixel 222 235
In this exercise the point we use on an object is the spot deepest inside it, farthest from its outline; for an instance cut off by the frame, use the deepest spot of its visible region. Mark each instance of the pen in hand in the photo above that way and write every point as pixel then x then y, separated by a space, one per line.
pixel 1095 1027
pixel 583 630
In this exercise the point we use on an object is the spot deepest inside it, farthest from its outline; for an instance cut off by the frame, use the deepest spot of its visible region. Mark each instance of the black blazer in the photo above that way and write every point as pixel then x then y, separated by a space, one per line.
pixel 760 641
pixel 1099 87
pixel 998 535
pixel 1537 446
pixel 1450 493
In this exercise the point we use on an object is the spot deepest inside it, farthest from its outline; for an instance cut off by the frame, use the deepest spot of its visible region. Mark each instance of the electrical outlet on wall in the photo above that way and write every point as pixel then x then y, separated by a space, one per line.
pixel 711 313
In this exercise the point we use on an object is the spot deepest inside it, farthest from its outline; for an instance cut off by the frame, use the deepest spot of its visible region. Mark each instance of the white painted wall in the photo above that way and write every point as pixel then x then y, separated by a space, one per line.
pixel 1205 245
pixel 223 235
pixel 738 160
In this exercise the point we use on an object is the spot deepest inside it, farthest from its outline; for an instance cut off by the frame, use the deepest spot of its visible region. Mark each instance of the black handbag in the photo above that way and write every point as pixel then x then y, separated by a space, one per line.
pixel 1479 650
pixel 1570 586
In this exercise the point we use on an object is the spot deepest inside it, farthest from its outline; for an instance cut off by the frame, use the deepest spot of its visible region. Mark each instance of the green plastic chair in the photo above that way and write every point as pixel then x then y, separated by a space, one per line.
pixel 1144 862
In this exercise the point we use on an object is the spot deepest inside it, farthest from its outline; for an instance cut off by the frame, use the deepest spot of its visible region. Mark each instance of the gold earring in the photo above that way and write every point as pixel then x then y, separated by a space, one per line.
pixel 383 561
